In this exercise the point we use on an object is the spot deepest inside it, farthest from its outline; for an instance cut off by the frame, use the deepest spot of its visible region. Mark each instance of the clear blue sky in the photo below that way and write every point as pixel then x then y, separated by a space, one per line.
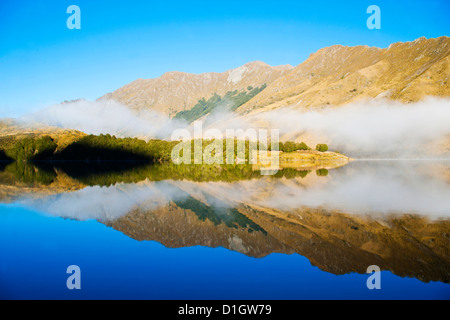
pixel 42 62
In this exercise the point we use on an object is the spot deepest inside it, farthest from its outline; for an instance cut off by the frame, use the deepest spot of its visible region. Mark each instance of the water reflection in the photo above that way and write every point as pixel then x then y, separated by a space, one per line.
pixel 390 213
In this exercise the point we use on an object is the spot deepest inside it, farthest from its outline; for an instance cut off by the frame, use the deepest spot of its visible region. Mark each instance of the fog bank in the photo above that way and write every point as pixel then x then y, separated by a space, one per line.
pixel 376 128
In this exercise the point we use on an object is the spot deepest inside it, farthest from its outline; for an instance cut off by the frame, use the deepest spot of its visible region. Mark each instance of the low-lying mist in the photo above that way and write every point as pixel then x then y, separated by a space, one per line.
pixel 362 187
pixel 106 116
pixel 376 128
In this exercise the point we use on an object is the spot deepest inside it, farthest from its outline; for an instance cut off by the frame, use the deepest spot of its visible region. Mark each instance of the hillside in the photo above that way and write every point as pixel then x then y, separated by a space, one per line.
pixel 405 71
pixel 179 91
pixel 12 131
pixel 333 76
pixel 338 74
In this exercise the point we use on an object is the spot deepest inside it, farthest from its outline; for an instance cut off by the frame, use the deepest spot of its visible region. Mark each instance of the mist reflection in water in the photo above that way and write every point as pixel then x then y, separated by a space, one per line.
pixel 390 213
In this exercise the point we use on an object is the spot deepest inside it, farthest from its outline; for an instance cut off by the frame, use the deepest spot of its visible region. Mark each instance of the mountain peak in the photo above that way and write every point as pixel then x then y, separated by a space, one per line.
pixel 257 63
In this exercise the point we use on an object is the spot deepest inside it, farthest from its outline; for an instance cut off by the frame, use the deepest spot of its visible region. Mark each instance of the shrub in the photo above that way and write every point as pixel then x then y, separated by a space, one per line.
pixel 322 172
pixel 290 146
pixel 303 146
pixel 322 147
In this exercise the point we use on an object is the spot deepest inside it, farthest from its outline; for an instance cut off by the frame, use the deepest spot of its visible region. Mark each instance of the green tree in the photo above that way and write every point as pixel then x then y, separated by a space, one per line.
pixel 322 147
pixel 33 149
pixel 322 172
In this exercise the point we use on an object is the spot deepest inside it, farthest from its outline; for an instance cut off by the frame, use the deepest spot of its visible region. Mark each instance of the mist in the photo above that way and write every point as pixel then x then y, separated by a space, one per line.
pixel 362 187
pixel 105 203
pixel 376 128
pixel 106 116
pixel 366 129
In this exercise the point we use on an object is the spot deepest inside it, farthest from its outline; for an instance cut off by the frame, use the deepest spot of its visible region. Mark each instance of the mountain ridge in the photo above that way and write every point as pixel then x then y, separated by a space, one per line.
pixel 334 75
pixel 177 91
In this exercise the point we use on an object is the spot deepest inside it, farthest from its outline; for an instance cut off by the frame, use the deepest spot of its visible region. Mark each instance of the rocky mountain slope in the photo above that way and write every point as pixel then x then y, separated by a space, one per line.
pixel 179 91
pixel 338 74
pixel 334 75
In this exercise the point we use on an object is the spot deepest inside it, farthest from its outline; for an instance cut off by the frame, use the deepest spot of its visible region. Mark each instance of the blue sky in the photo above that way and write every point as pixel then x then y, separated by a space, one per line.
pixel 42 62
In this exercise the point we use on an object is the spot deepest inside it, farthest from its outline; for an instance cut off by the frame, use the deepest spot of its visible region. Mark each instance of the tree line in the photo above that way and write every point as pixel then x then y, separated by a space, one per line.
pixel 106 147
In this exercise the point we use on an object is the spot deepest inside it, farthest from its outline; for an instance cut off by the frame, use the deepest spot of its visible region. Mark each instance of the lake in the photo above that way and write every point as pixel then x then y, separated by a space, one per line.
pixel 163 231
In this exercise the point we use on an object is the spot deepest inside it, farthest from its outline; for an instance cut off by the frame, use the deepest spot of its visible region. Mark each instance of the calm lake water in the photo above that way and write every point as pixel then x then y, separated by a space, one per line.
pixel 207 232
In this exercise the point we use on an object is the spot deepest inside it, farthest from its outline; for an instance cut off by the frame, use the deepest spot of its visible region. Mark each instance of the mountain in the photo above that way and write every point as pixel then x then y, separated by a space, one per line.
pixel 405 71
pixel 338 74
pixel 333 76
pixel 179 91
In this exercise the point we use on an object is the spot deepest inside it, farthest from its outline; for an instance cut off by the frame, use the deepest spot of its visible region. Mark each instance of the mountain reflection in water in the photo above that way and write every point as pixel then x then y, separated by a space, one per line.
pixel 394 214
